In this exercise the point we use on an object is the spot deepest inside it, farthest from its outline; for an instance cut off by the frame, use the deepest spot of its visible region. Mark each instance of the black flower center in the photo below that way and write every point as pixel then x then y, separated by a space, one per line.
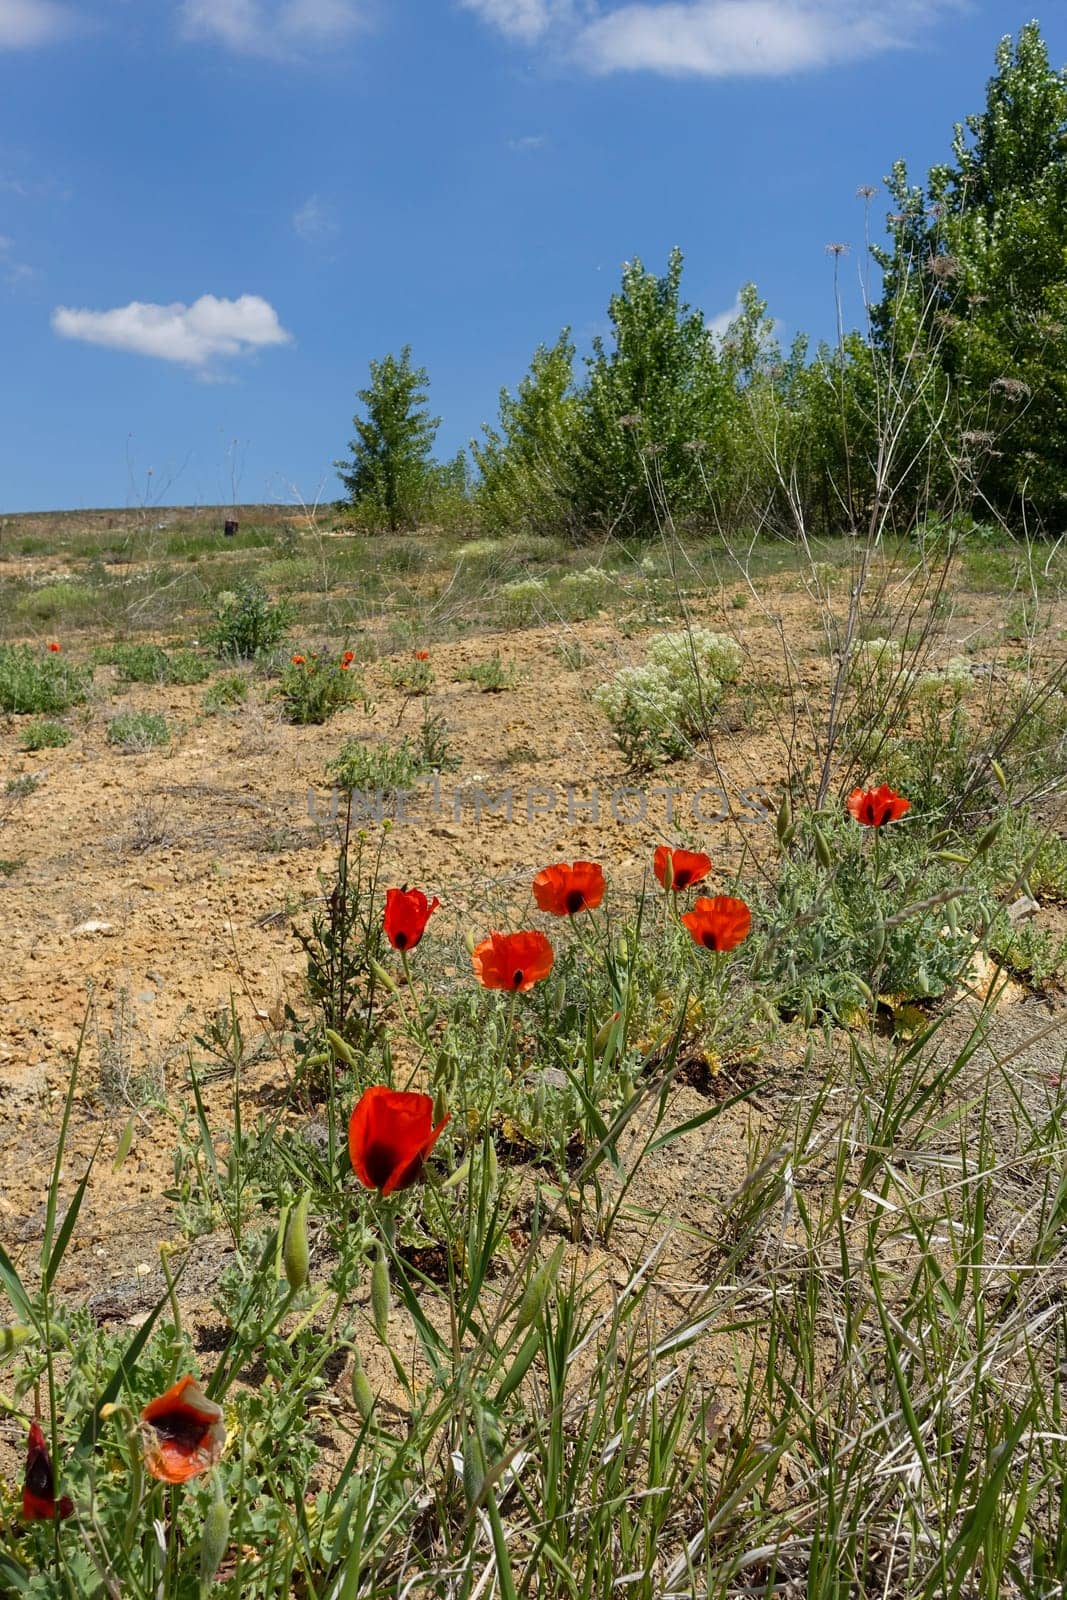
pixel 708 940
pixel 575 900
pixel 516 981
pixel 380 1161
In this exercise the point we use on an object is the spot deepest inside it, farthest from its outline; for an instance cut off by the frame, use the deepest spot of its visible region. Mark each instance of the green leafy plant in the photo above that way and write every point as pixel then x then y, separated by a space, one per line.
pixel 389 475
pixel 45 736
pixel 228 690
pixel 491 676
pixel 248 623
pixel 314 687
pixel 150 663
pixel 34 682
pixel 134 732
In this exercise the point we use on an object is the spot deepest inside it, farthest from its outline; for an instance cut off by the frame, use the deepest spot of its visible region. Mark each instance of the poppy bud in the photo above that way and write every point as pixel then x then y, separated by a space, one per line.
pixel 213 1541
pixel 469 940
pixel 384 978
pixel 520 1366
pixel 807 1011
pixel 537 1109
pixel 998 773
pixel 865 990
pixel 362 1393
pixel 492 1166
pixel 440 1105
pixel 878 937
pixel 340 1047
pixel 822 849
pixel 11 1338
pixel 603 1035
pixel 379 1295
pixel 989 837
pixel 473 1467
pixel 785 820
pixel 536 1292
pixel 295 1249
pixel 627 1089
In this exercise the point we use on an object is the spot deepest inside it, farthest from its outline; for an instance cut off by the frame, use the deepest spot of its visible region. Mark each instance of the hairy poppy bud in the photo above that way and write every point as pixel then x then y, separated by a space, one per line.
pixel 362 1394
pixel 520 1366
pixel 380 1296
pixel 537 1289
pixel 998 773
pixel 341 1048
pixel 822 849
pixel 603 1034
pixel 865 990
pixel 295 1249
pixel 473 1467
pixel 785 820
pixel 213 1541
pixel 989 837
pixel 11 1338
pixel 492 1165
pixel 386 979
pixel 537 1109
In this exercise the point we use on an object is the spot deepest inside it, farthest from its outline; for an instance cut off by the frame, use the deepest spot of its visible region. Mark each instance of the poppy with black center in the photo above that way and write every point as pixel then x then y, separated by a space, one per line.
pixel 39 1502
pixel 513 961
pixel 680 869
pixel 407 912
pixel 564 890
pixel 183 1432
pixel 719 922
pixel 873 808
pixel 390 1135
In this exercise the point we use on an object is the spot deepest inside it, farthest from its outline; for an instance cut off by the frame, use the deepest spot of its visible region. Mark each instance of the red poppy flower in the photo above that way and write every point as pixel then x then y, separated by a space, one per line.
pixel 183 1432
pixel 422 655
pixel 512 960
pixel 347 660
pixel 686 867
pixel 875 807
pixel 390 1134
pixel 718 923
pixel 565 890
pixel 298 661
pixel 39 1502
pixel 55 647
pixel 407 911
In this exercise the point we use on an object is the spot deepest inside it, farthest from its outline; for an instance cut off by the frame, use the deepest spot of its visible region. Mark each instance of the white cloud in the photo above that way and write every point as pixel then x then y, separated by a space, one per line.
pixel 193 335
pixel 715 38
pixel 24 23
pixel 527 142
pixel 314 222
pixel 276 28
pixel 719 324
pixel 12 270
pixel 523 19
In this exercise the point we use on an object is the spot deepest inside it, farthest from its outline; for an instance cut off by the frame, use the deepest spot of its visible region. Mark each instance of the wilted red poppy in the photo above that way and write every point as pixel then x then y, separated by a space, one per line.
pixel 55 647
pixel 875 807
pixel 512 960
pixel 718 923
pixel 422 655
pixel 565 890
pixel 390 1134
pixel 183 1432
pixel 407 911
pixel 298 661
pixel 39 1502
pixel 685 867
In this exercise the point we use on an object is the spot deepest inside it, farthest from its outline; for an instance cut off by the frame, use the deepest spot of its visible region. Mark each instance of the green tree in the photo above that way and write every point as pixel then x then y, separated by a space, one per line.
pixel 976 278
pixel 391 473
pixel 527 463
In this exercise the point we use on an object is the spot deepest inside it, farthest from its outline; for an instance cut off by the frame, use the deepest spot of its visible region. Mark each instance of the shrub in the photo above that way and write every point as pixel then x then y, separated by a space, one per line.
pixel 371 767
pixel 45 736
pixel 32 682
pixel 491 676
pixel 137 731
pixel 150 663
pixel 414 676
pixel 228 690
pixel 313 688
pixel 658 710
pixel 248 622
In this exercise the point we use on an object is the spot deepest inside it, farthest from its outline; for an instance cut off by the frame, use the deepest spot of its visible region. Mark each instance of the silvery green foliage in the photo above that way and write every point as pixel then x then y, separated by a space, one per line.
pixel 658 710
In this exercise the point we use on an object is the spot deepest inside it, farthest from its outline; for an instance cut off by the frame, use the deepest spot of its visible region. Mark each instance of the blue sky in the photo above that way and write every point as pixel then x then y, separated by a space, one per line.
pixel 213 213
